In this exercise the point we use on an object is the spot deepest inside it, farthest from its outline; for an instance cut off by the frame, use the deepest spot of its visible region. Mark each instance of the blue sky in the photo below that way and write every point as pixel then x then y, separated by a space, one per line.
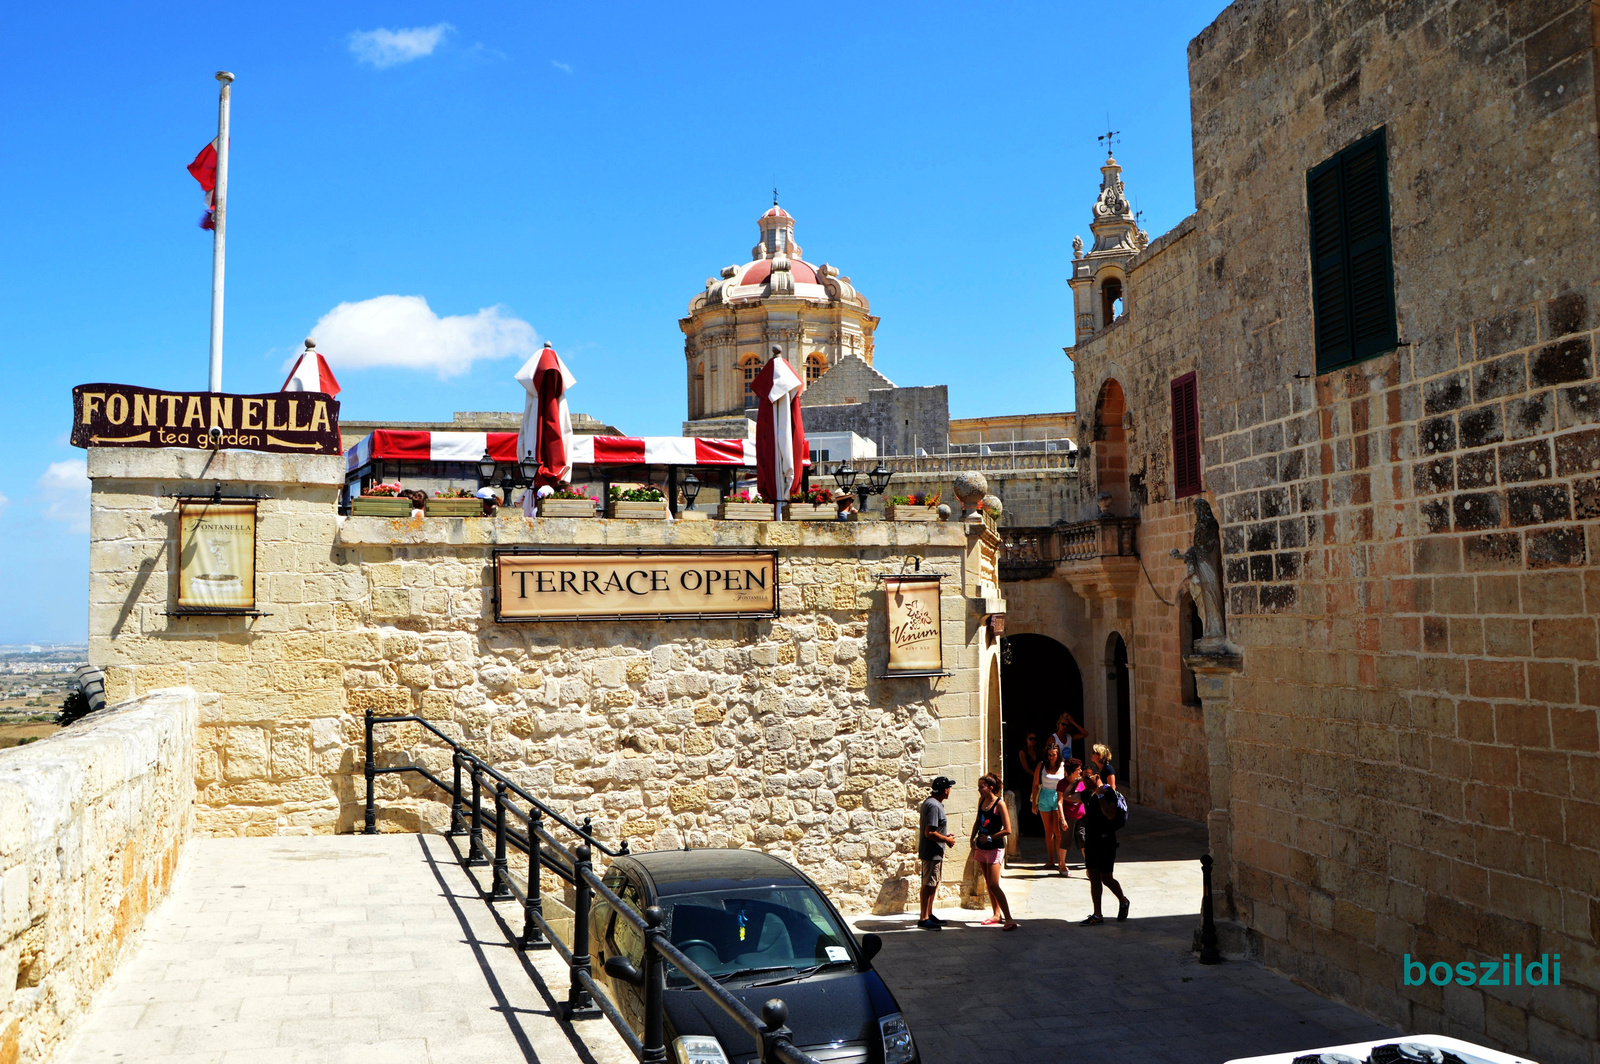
pixel 536 171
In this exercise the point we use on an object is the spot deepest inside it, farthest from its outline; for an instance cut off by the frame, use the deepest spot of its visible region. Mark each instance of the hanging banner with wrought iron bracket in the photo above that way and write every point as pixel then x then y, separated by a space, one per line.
pixel 915 635
pixel 121 415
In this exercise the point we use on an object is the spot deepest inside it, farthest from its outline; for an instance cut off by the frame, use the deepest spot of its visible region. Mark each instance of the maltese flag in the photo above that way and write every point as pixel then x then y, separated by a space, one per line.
pixel 311 374
pixel 204 169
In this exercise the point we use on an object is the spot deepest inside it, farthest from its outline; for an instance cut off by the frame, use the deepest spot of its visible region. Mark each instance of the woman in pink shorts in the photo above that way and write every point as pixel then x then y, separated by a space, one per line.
pixel 989 831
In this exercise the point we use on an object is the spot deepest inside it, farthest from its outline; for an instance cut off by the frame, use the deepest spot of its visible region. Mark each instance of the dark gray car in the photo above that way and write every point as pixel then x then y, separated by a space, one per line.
pixel 762 929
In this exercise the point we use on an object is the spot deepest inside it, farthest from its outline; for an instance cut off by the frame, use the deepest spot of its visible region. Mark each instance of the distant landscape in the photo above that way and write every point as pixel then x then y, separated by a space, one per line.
pixel 34 679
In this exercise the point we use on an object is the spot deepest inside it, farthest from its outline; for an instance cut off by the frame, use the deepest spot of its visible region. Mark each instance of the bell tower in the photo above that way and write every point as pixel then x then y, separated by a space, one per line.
pixel 1100 276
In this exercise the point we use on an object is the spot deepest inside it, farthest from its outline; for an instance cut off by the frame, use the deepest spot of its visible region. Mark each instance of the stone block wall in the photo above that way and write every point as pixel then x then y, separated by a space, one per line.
pixel 771 733
pixel 92 820
pixel 1411 542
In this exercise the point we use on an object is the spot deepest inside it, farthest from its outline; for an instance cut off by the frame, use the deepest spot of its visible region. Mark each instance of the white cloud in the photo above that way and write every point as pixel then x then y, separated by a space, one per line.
pixel 64 491
pixel 4 502
pixel 565 68
pixel 387 48
pixel 404 331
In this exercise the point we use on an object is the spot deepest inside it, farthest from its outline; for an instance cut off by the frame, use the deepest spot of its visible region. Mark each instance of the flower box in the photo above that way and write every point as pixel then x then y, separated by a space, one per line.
pixel 380 506
pixel 910 513
pixel 639 511
pixel 745 511
pixel 573 507
pixel 800 511
pixel 454 508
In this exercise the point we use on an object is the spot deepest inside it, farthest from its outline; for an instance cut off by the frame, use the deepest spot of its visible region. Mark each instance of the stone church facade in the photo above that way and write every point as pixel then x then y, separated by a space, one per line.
pixel 1405 462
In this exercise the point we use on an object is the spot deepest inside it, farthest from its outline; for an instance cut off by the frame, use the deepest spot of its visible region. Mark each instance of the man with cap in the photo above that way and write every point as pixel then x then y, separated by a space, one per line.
pixel 931 842
pixel 490 499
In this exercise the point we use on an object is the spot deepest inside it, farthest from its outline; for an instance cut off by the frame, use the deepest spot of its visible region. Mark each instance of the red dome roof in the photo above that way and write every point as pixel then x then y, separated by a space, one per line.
pixel 777 212
pixel 758 272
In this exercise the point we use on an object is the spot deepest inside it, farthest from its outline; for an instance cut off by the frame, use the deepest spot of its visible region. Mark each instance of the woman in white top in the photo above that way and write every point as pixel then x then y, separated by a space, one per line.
pixel 1046 803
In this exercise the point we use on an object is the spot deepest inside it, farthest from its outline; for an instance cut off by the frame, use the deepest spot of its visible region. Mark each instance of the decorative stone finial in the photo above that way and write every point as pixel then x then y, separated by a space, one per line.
pixel 970 488
pixel 310 343
pixel 993 505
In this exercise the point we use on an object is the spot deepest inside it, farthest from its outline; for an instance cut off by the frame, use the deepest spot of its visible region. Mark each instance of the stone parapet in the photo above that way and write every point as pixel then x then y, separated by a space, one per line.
pixel 230 467
pixel 92 820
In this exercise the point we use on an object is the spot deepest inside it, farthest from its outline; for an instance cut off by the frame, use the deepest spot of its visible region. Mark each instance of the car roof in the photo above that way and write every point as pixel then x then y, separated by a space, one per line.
pixel 691 871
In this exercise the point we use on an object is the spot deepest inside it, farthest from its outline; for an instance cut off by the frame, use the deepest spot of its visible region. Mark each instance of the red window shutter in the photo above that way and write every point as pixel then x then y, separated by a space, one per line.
pixel 1185 437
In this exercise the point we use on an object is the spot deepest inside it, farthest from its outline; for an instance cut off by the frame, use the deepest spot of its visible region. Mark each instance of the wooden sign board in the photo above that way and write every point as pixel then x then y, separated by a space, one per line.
pixel 603 585
pixel 121 415
pixel 216 556
pixel 915 643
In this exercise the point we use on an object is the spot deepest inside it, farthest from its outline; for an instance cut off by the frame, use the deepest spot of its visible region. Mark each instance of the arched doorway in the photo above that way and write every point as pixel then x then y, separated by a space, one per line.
pixel 1111 447
pixel 1119 709
pixel 1039 680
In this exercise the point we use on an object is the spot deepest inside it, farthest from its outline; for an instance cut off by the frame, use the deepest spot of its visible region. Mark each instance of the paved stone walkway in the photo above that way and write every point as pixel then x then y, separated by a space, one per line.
pixel 332 950
pixel 354 949
pixel 1121 991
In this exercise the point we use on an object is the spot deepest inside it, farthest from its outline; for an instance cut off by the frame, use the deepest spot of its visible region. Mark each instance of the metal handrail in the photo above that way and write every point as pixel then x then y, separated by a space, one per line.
pixel 586 997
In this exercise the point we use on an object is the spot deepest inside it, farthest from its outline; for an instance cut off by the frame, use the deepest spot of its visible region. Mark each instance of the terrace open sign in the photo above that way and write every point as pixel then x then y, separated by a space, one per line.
pixel 611 584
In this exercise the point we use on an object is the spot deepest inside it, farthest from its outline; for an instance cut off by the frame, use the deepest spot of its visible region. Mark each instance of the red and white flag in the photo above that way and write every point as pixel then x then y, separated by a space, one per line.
pixel 311 374
pixel 204 169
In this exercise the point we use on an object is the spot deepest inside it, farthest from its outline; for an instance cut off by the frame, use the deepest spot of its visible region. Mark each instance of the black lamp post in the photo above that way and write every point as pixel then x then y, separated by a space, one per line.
pixel 519 475
pixel 845 477
pixel 877 482
pixel 691 488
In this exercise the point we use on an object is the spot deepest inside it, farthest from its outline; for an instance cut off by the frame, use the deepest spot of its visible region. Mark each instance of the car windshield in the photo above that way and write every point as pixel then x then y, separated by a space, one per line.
pixel 753 932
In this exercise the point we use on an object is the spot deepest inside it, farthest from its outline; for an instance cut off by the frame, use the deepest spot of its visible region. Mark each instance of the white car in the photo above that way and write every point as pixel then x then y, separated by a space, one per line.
pixel 1407 1049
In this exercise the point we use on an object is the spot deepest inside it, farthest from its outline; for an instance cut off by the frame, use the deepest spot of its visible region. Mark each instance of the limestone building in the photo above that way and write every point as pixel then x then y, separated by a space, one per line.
pixel 1371 351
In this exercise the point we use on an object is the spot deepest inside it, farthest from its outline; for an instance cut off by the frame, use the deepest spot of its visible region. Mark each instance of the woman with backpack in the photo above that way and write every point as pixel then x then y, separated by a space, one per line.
pixel 989 831
pixel 1104 814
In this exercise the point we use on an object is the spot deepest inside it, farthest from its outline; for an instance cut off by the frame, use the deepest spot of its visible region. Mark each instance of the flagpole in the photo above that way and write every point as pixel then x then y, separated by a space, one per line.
pixel 219 235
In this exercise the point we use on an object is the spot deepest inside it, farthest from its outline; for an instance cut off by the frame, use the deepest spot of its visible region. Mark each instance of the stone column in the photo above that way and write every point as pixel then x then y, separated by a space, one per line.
pixel 1213 678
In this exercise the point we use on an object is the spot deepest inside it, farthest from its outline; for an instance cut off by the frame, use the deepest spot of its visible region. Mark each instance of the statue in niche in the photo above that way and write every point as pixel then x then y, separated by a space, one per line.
pixel 1203 581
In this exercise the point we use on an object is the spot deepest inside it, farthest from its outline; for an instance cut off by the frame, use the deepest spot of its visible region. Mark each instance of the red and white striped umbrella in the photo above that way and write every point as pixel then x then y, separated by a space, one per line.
pixel 546 422
pixel 311 374
pixel 780 433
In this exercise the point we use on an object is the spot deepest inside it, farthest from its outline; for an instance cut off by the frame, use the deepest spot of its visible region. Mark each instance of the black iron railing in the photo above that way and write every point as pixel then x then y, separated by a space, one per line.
pixel 586 998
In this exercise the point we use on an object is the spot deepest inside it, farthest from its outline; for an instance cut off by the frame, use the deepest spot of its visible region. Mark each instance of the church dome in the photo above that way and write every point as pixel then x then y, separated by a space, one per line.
pixel 777 270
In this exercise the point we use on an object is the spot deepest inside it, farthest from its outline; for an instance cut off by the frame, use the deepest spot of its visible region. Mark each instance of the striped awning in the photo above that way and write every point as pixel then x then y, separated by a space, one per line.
pixel 398 445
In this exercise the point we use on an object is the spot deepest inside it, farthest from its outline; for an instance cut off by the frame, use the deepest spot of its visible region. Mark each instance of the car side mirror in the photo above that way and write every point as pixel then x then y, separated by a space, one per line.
pixel 621 968
pixel 869 945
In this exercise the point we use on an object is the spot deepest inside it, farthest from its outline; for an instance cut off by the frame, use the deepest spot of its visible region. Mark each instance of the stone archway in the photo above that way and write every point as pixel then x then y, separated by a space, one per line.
pixel 1111 446
pixel 1119 710
pixel 1039 680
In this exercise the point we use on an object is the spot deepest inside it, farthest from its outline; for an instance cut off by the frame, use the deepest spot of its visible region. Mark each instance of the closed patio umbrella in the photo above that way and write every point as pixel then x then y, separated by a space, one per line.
pixel 780 433
pixel 546 432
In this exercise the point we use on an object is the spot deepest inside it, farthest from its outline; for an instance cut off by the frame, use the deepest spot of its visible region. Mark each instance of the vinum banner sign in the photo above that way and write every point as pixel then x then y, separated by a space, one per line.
pixel 915 648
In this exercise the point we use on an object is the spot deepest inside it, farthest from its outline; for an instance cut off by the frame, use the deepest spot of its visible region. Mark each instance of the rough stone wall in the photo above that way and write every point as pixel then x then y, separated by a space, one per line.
pixel 1170 769
pixel 770 733
pixel 848 381
pixel 898 420
pixel 1033 498
pixel 1411 542
pixel 92 820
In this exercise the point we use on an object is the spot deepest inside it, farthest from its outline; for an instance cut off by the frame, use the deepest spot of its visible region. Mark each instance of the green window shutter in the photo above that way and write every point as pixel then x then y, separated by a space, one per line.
pixel 1352 285
pixel 1330 297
